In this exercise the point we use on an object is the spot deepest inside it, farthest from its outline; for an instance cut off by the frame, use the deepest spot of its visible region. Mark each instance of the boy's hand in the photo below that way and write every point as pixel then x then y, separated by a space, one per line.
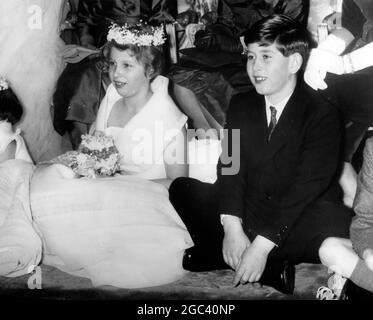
pixel 234 243
pixel 253 261
pixel 251 266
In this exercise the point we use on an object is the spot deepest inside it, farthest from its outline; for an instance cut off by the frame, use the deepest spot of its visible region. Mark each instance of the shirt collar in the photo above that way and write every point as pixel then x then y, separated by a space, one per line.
pixel 280 105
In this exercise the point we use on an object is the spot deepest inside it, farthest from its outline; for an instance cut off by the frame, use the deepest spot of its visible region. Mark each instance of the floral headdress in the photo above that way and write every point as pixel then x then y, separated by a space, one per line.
pixel 4 85
pixel 140 34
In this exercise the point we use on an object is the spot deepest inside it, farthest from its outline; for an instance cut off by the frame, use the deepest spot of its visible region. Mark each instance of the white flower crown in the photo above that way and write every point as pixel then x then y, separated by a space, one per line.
pixel 125 34
pixel 4 85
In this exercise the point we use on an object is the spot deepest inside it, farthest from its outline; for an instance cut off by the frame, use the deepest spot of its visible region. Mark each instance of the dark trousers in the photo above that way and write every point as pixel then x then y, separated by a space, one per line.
pixel 197 206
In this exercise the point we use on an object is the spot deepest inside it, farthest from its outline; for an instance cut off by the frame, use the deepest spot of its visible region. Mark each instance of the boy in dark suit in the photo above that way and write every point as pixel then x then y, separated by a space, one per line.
pixel 284 200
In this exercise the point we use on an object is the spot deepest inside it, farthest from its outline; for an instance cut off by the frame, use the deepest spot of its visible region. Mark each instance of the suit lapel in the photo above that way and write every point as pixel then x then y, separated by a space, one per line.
pixel 257 126
pixel 260 121
pixel 286 126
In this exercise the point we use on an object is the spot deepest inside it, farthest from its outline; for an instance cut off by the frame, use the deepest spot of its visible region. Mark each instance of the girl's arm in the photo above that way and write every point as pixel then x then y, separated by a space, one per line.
pixel 189 104
pixel 175 158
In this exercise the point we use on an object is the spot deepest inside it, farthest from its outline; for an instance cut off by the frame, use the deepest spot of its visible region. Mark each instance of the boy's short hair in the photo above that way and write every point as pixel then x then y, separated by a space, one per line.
pixel 289 35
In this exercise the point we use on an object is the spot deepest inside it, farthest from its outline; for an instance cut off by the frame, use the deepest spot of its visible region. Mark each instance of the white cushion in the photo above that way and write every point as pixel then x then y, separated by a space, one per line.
pixel 203 156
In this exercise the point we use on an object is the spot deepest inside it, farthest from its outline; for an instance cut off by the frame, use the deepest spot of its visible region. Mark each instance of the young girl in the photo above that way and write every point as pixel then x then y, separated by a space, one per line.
pixel 122 230
pixel 12 145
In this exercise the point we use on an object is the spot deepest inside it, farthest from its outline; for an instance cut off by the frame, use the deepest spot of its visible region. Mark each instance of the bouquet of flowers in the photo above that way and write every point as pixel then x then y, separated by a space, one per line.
pixel 96 156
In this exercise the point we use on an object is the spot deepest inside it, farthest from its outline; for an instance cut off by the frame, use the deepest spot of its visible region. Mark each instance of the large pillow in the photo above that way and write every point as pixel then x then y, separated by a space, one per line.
pixel 203 156
pixel 211 59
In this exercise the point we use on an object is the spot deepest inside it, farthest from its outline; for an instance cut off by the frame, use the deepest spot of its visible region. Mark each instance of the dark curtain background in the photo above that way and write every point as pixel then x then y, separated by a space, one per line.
pixel 95 16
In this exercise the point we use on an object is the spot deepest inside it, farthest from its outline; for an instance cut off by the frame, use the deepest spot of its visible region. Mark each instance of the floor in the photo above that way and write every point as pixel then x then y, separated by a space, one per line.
pixel 215 285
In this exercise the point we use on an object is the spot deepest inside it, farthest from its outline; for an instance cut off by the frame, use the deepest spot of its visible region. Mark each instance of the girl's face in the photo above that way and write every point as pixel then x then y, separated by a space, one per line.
pixel 127 74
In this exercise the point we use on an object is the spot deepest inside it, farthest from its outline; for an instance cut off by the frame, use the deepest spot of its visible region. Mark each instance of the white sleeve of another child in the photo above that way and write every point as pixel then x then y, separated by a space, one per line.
pixel 21 149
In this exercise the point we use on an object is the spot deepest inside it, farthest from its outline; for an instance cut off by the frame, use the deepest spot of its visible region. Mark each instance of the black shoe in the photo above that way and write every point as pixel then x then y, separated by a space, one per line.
pixel 279 275
pixel 198 260
pixel 353 292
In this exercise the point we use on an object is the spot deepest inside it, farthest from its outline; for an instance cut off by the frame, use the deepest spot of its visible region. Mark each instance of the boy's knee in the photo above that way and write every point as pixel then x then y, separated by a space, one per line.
pixel 181 193
pixel 178 186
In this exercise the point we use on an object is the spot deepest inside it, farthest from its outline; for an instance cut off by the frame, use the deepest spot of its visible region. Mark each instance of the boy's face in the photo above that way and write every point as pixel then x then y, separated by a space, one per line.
pixel 270 72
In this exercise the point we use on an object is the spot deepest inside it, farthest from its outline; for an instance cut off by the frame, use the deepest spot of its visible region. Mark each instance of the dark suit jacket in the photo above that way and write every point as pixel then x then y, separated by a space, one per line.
pixel 277 180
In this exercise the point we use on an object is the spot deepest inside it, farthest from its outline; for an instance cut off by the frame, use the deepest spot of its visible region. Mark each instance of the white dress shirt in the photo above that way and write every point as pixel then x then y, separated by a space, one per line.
pixel 280 106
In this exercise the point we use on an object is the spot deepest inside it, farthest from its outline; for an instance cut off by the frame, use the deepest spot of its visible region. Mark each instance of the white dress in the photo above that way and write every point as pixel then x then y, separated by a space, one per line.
pixel 120 231
pixel 145 137
pixel 20 244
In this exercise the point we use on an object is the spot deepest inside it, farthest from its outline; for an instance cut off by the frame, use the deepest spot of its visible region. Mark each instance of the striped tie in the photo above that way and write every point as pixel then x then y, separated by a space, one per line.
pixel 273 122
